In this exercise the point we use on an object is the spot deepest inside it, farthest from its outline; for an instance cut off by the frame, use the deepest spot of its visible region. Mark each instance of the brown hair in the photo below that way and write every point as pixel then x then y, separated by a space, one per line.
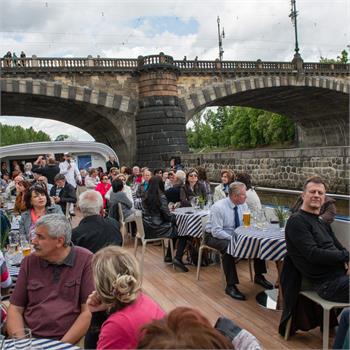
pixel 230 174
pixel 316 180
pixel 182 328
pixel 245 178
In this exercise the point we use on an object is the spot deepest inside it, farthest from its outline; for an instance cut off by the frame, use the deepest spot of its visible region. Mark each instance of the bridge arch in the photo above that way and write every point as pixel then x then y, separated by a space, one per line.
pixel 319 105
pixel 108 118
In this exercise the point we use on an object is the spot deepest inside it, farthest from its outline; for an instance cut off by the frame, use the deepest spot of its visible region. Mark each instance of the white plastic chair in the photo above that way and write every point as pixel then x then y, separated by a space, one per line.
pixel 204 246
pixel 326 306
pixel 140 235
pixel 124 223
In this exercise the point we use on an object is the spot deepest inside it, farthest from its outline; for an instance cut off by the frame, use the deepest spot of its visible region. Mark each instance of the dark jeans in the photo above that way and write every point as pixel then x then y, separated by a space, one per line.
pixel 182 240
pixel 228 261
pixel 335 290
pixel 343 329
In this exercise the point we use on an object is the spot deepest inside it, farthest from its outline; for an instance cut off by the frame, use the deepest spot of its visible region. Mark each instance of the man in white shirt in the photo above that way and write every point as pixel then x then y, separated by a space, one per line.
pixel 71 172
pixel 225 215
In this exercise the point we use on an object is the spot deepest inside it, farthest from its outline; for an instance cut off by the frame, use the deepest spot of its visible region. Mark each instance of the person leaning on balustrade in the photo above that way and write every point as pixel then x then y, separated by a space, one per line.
pixel 118 297
pixel 221 191
pixel 53 285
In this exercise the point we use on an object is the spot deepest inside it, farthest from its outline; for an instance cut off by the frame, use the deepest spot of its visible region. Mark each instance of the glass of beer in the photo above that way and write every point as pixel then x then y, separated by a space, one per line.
pixel 26 250
pixel 246 219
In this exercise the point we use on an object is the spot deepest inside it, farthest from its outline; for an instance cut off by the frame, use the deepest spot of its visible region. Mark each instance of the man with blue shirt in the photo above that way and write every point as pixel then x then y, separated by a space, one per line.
pixel 225 215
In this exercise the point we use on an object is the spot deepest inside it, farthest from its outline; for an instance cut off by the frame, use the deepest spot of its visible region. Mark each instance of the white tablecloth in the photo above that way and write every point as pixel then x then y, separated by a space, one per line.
pixel 43 344
pixel 189 221
pixel 252 242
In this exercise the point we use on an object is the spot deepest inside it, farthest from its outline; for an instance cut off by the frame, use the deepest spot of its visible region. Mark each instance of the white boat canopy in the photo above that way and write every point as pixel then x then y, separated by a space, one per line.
pixel 36 148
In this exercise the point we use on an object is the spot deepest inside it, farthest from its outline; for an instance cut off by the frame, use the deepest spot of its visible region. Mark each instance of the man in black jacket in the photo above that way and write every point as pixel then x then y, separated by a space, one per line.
pixel 63 192
pixel 95 232
pixel 49 169
pixel 313 247
pixel 111 163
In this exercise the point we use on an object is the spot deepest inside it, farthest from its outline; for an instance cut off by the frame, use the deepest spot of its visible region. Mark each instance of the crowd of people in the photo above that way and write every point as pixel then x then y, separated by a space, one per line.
pixel 80 283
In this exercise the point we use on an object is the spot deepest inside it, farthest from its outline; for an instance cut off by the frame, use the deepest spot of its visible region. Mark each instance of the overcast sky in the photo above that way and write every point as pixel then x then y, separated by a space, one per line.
pixel 254 29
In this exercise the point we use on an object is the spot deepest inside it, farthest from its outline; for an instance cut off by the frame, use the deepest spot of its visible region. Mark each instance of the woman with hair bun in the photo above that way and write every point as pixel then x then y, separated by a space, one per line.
pixel 118 291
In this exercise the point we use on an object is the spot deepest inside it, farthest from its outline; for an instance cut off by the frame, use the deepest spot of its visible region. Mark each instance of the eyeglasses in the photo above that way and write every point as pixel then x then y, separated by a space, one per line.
pixel 193 175
pixel 105 178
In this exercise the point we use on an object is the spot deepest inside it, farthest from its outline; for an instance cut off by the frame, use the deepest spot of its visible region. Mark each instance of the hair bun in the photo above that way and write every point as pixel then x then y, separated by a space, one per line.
pixel 124 286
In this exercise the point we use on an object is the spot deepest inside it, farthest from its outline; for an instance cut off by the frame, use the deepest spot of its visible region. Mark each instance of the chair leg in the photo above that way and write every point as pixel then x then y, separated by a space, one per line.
pixel 250 269
pixel 199 262
pixel 325 328
pixel 144 243
pixel 289 324
pixel 135 246
pixel 163 248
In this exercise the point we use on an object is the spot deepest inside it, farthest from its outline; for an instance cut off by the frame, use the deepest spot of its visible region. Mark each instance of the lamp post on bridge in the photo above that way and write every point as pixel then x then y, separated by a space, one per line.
pixel 221 35
pixel 293 15
pixel 297 60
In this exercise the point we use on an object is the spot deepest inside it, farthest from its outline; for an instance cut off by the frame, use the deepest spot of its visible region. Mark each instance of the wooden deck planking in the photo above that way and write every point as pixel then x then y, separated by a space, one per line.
pixel 172 288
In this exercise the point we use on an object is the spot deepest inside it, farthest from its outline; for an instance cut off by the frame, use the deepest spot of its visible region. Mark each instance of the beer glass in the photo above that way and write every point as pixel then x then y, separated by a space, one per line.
pixel 246 219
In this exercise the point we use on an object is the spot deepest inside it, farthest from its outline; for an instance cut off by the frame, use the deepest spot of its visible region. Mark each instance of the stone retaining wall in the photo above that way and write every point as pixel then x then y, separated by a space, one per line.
pixel 280 168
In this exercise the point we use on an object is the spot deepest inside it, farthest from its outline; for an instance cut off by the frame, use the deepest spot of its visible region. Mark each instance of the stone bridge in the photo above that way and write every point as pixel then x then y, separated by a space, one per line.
pixel 140 106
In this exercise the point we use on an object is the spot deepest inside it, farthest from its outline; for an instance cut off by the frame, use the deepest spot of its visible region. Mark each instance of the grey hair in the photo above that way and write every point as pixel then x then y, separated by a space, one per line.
pixel 57 226
pixel 90 203
pixel 235 187
pixel 28 166
pixel 180 176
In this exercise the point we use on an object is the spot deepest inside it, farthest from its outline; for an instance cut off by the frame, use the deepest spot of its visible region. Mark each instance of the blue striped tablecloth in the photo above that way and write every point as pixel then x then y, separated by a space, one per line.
pixel 189 221
pixel 43 344
pixel 253 243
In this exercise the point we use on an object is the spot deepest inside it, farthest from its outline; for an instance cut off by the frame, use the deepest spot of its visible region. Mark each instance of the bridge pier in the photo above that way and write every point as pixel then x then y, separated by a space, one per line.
pixel 160 121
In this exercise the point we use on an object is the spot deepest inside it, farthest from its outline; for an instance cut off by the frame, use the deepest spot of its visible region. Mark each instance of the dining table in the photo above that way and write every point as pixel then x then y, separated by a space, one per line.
pixel 189 221
pixel 41 343
pixel 265 243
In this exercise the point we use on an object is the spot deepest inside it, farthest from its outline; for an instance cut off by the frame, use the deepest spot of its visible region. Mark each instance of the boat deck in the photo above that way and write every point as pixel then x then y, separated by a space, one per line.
pixel 172 288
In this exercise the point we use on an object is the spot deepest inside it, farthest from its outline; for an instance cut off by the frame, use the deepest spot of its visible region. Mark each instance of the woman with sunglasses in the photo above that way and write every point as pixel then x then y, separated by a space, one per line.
pixel 38 204
pixel 191 189
pixel 103 187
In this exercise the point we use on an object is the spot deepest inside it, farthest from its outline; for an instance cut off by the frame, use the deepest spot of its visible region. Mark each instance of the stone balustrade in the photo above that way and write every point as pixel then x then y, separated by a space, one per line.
pixel 184 66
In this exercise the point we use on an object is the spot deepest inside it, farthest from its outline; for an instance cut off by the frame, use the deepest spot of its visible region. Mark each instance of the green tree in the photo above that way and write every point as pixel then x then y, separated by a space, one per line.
pixel 10 135
pixel 240 127
pixel 342 58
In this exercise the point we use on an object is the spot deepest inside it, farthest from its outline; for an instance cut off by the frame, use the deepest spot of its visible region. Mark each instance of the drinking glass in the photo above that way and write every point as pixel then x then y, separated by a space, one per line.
pixel 246 219
pixel 22 339
pixel 13 242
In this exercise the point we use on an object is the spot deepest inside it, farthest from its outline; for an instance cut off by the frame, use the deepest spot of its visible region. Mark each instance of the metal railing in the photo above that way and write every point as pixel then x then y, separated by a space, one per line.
pixel 293 192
